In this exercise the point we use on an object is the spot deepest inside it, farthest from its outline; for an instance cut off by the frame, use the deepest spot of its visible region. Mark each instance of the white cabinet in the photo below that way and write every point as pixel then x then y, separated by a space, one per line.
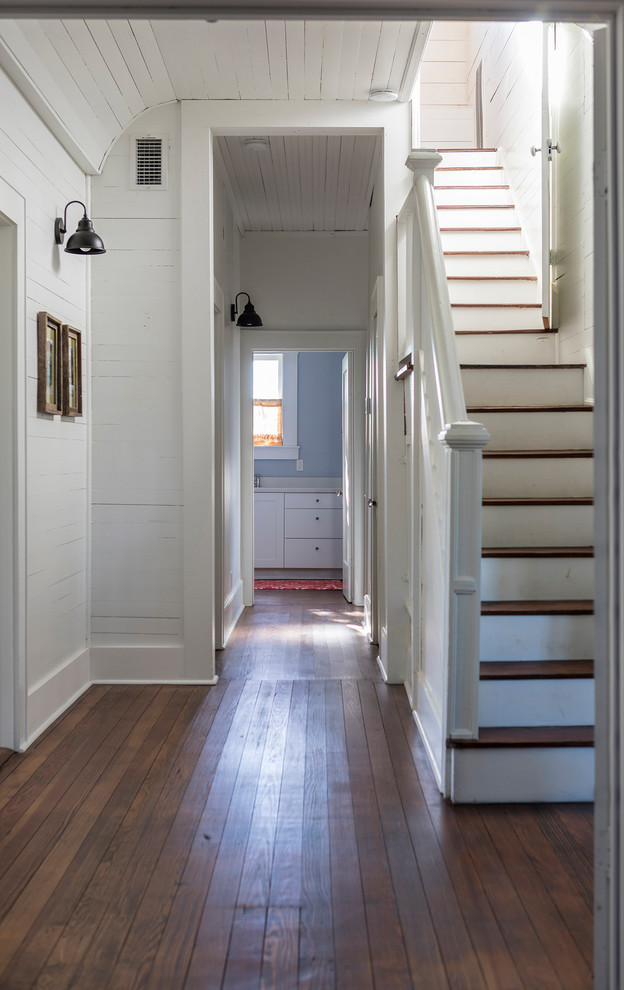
pixel 268 529
pixel 298 530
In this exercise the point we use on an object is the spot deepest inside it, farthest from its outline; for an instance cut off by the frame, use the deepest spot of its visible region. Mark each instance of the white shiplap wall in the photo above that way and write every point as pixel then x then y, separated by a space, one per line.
pixel 137 426
pixel 573 238
pixel 35 165
pixel 512 75
pixel 447 116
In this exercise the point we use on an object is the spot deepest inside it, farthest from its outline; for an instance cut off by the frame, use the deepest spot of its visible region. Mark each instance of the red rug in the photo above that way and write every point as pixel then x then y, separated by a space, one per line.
pixel 296 584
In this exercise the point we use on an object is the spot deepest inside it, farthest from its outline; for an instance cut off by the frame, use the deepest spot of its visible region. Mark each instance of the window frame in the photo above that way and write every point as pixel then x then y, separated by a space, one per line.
pixel 289 370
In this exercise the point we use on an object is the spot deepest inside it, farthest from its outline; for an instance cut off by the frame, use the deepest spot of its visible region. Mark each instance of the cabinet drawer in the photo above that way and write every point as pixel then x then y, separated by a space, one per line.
pixel 313 522
pixel 312 553
pixel 312 500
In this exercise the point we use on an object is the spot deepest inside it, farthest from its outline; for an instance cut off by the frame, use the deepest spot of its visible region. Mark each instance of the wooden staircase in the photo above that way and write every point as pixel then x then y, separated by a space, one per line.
pixel 536 704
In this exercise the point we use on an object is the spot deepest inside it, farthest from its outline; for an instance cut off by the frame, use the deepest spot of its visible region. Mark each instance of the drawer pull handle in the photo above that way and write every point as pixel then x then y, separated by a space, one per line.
pixel 316 548
pixel 317 518
pixel 318 500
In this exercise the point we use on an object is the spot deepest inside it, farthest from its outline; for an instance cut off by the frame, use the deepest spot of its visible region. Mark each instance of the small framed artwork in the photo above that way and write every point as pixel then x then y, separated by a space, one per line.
pixel 71 351
pixel 49 399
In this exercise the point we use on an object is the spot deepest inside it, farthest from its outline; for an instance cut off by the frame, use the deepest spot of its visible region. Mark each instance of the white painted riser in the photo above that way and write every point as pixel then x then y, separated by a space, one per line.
pixel 561 701
pixel 468 157
pixel 537 637
pixel 472 197
pixel 569 430
pixel 513 775
pixel 488 264
pixel 537 477
pixel 537 525
pixel 529 578
pixel 522 386
pixel 506 348
pixel 468 177
pixel 474 216
pixel 480 240
pixel 493 291
pixel 524 317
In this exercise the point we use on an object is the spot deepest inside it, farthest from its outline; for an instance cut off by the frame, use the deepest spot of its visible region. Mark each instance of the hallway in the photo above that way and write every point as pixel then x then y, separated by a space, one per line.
pixel 279 830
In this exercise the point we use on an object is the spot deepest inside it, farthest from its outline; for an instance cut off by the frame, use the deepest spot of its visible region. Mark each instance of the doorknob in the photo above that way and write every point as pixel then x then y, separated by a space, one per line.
pixel 371 503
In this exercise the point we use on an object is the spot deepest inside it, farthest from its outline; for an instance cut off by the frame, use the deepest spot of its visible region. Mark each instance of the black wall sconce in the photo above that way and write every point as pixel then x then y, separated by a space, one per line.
pixel 249 317
pixel 85 240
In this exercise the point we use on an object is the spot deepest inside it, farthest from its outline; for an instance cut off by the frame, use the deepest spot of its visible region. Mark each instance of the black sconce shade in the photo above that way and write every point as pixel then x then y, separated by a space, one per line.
pixel 85 240
pixel 249 317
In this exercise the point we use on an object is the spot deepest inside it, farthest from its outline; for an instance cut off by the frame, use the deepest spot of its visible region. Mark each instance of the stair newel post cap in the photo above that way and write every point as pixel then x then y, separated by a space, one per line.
pixel 465 435
pixel 423 161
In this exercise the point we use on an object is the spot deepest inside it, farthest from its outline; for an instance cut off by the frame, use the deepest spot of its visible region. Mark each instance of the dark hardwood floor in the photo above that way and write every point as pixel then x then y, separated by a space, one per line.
pixel 280 830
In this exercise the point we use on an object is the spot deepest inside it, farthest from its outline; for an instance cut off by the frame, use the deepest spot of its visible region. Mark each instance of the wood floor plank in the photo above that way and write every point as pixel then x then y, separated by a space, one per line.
pixel 351 950
pixel 316 956
pixel 103 898
pixel 442 855
pixel 433 925
pixel 82 844
pixel 280 953
pixel 285 888
pixel 280 830
pixel 162 932
pixel 388 955
pixel 213 933
pixel 560 946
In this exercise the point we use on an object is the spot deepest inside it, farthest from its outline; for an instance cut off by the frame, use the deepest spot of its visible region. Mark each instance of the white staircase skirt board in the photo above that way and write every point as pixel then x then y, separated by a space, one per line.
pixel 537 477
pixel 537 525
pixel 539 702
pixel 506 348
pixel 489 195
pixel 537 637
pixel 473 176
pixel 493 290
pixel 498 317
pixel 561 430
pixel 511 775
pixel 535 578
pixel 468 157
pixel 480 240
pixel 492 263
pixel 475 216
pixel 522 386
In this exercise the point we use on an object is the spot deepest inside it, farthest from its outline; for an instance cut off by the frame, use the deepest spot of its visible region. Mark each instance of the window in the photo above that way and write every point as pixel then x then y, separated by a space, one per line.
pixel 275 405
pixel 267 401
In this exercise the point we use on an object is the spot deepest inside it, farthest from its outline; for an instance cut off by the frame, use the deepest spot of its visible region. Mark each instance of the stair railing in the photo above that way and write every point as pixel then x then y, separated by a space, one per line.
pixel 446 464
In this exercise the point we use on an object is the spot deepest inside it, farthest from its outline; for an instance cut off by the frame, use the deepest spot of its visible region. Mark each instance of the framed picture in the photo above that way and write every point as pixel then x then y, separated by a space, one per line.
pixel 49 399
pixel 71 353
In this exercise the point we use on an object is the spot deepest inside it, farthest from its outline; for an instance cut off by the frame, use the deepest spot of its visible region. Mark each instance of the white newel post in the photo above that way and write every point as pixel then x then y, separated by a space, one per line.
pixel 465 442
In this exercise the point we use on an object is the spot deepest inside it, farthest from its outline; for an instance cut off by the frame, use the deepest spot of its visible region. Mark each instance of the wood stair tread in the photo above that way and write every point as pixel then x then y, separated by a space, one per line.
pixel 533 330
pixel 519 670
pixel 524 367
pixel 537 552
pixel 539 500
pixel 491 278
pixel 505 454
pixel 567 606
pixel 564 407
pixel 528 736
pixel 484 254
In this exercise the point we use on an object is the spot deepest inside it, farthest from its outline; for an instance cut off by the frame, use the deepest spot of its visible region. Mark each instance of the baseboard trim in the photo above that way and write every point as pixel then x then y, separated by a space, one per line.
pixel 142 665
pixel 232 610
pixel 52 695
pixel 429 724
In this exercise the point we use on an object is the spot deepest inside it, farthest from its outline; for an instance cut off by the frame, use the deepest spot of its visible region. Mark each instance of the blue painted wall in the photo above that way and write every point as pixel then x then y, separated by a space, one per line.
pixel 319 420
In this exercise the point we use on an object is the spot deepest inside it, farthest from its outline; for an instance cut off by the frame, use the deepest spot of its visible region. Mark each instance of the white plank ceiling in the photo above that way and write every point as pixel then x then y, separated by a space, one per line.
pixel 89 79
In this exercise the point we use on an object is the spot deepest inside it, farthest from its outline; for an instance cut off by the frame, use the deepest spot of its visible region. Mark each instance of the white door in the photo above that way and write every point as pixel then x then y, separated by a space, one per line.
pixel 548 151
pixel 347 460
pixel 370 555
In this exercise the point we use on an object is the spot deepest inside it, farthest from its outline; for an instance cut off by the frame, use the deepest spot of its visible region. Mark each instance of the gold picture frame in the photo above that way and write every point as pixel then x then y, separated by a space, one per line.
pixel 71 356
pixel 49 398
